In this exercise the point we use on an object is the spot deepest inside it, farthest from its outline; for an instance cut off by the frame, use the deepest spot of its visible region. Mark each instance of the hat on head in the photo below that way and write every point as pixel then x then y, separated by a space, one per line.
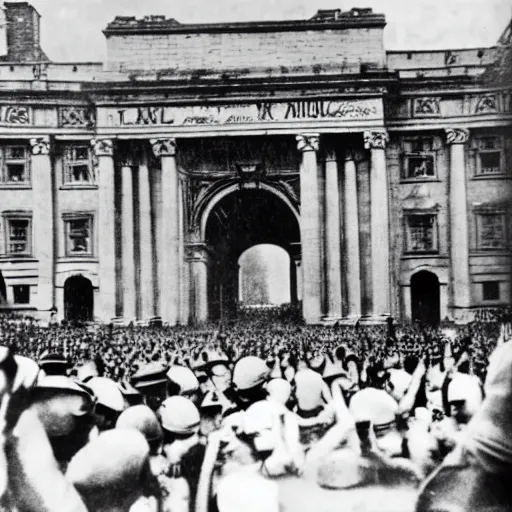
pixel 59 401
pixel 279 390
pixel 309 387
pixel 343 469
pixel 143 419
pixel 374 405
pixel 107 393
pixel 213 401
pixel 208 358
pixel 149 375
pixel 183 377
pixel 400 381
pixel 333 371
pixel 318 362
pixel 27 373
pixel 54 364
pixel 465 387
pixel 179 415
pixel 87 371
pixel 249 492
pixel 110 472
pixel 249 372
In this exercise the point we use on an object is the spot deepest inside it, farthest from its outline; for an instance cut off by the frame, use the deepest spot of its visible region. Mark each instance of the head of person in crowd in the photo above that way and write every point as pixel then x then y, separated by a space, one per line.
pixel 112 472
pixel 143 419
pixel 66 410
pixel 130 394
pixel 151 381
pixel 216 367
pixel 87 371
pixel 377 375
pixel 53 363
pixel 180 420
pixel 250 376
pixel 183 382
pixel 464 397
pixel 375 409
pixel 109 402
pixel 279 391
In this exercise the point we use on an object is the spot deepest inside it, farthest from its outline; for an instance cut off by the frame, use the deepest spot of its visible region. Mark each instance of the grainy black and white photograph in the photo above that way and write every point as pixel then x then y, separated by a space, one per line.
pixel 255 256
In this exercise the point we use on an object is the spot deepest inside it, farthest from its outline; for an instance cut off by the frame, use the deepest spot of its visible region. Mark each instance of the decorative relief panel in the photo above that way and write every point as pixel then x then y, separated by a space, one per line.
pixel 15 115
pixel 76 117
pixel 426 107
pixel 486 104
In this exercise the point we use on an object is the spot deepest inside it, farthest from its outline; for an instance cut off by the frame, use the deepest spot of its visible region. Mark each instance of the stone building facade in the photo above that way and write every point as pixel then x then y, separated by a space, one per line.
pixel 129 189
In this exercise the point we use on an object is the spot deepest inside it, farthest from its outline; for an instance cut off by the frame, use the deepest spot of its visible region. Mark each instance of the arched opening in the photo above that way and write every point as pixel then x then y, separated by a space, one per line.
pixel 425 302
pixel 78 299
pixel 3 291
pixel 240 220
pixel 264 276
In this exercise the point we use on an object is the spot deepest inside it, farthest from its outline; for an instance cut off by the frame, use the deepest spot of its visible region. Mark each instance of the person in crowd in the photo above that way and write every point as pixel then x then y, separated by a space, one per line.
pixel 151 381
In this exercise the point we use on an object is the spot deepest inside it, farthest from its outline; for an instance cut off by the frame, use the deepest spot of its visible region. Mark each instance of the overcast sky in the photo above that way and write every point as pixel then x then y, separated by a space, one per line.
pixel 71 29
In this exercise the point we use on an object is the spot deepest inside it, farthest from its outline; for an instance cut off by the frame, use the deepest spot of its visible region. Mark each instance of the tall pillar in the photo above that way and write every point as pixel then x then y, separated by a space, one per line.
pixel 293 282
pixel 351 231
pixel 184 265
pixel 104 151
pixel 376 142
pixel 146 241
pixel 310 225
pixel 168 261
pixel 332 235
pixel 459 247
pixel 128 252
pixel 198 261
pixel 43 222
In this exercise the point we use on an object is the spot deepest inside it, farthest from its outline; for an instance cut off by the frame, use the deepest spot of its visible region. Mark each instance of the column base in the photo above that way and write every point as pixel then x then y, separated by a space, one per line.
pixel 330 320
pixel 373 320
pixel 349 321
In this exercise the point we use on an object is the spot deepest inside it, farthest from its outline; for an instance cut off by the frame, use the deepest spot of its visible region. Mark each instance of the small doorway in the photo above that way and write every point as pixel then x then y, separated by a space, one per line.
pixel 3 291
pixel 78 299
pixel 425 301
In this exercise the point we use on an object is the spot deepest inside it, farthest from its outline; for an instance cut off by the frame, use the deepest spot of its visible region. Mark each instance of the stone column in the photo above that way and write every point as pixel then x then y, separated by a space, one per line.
pixel 169 262
pixel 351 237
pixel 332 235
pixel 128 253
pixel 310 225
pixel 104 151
pixel 198 261
pixel 459 246
pixel 43 221
pixel 376 142
pixel 145 240
pixel 293 282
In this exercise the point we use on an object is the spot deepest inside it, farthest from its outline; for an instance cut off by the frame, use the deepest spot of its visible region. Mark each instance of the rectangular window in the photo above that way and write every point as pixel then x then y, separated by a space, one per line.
pixel 78 235
pixel 18 236
pixel 78 166
pixel 491 231
pixel 418 159
pixel 490 156
pixel 15 165
pixel 421 233
pixel 491 290
pixel 21 294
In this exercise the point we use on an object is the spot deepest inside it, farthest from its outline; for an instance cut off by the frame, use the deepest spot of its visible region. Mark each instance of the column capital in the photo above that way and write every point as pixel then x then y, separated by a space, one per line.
pixel 349 156
pixel 102 147
pixel 40 145
pixel 331 156
pixel 163 146
pixel 456 135
pixel 376 139
pixel 308 142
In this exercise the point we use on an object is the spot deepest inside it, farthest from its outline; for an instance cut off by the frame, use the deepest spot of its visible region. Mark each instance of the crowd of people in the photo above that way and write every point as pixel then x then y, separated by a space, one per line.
pixel 256 415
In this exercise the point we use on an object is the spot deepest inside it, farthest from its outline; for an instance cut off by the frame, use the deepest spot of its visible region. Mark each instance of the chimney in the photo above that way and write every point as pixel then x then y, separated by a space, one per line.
pixel 23 33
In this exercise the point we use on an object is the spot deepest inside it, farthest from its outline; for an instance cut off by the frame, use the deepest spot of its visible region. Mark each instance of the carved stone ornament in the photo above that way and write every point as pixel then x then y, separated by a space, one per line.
pixel 78 117
pixel 40 145
pixel 487 104
pixel 163 147
pixel 102 147
pixel 426 107
pixel 308 142
pixel 457 135
pixel 376 139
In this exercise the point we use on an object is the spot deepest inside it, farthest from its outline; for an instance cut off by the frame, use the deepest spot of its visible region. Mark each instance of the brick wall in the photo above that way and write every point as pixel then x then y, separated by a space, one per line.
pixel 219 51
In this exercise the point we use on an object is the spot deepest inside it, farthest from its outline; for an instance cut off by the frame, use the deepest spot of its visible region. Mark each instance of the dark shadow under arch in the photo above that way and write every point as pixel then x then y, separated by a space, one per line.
pixel 78 299
pixel 425 298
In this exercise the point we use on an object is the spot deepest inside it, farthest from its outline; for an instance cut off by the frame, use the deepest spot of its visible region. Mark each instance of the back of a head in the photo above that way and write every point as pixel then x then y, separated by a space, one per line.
pixel 143 419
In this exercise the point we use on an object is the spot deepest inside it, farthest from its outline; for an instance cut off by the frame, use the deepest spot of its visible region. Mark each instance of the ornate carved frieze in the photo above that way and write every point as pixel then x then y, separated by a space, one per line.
pixel 308 142
pixel 487 104
pixel 457 135
pixel 163 147
pixel 40 145
pixel 76 117
pixel 428 106
pixel 377 139
pixel 15 115
pixel 102 147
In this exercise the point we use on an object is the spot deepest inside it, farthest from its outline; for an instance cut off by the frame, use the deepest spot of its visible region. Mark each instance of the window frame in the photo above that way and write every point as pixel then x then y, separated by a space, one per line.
pixel 408 215
pixel 6 159
pixel 496 299
pixel 480 213
pixel 67 219
pixel 69 162
pixel 478 151
pixel 408 154
pixel 7 218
